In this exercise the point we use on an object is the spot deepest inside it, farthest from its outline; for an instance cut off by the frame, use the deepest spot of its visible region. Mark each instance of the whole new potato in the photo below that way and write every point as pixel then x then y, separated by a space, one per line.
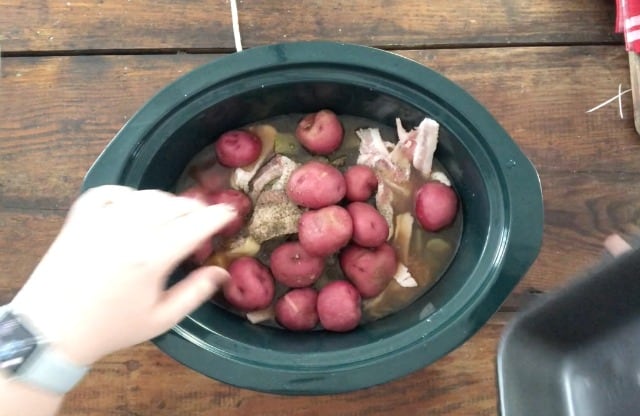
pixel 324 231
pixel 251 285
pixel 242 206
pixel 320 133
pixel 316 185
pixel 369 269
pixel 238 148
pixel 370 229
pixel 361 181
pixel 238 200
pixel 296 310
pixel 293 266
pixel 436 206
pixel 203 252
pixel 339 306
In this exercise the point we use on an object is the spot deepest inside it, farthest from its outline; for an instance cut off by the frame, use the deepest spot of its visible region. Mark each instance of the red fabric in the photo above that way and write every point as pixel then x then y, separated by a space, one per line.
pixel 619 17
pixel 628 22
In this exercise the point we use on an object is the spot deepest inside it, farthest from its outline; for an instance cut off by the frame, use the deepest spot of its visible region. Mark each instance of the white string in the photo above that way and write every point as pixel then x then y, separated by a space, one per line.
pixel 612 99
pixel 235 23
pixel 620 101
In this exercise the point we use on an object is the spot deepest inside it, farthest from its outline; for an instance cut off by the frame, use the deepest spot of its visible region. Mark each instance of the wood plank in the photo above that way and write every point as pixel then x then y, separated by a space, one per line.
pixel 123 24
pixel 57 26
pixel 58 113
pixel 415 23
pixel 23 241
pixel 143 380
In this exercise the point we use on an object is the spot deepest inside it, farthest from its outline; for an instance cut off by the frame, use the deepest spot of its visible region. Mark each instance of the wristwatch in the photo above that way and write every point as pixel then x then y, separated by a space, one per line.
pixel 27 356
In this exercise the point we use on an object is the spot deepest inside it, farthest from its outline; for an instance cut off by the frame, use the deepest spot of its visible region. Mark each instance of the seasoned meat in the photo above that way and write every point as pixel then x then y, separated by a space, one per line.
pixel 273 216
pixel 273 175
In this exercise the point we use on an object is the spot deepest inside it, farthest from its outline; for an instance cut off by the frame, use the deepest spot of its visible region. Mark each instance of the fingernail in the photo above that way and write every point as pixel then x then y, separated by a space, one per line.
pixel 615 245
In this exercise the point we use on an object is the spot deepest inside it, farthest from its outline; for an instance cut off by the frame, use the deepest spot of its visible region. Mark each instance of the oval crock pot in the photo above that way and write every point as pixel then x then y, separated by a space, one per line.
pixel 499 189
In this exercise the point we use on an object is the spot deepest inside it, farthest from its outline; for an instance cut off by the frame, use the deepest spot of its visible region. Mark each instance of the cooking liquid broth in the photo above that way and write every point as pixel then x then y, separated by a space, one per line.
pixel 429 253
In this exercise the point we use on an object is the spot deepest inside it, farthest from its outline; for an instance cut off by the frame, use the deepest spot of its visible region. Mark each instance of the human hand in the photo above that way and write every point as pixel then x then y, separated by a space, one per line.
pixel 102 284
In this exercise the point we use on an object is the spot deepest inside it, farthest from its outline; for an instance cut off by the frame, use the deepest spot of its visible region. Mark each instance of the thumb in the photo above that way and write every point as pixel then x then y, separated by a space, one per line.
pixel 616 245
pixel 189 293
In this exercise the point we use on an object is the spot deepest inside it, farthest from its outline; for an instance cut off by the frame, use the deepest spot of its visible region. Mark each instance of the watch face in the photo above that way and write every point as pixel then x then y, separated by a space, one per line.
pixel 16 343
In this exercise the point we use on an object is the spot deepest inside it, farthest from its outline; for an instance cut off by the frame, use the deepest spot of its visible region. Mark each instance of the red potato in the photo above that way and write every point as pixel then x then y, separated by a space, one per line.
pixel 370 229
pixel 323 232
pixel 251 285
pixel 238 148
pixel 213 178
pixel 339 306
pixel 436 206
pixel 240 201
pixel 296 310
pixel 370 270
pixel 206 249
pixel 316 185
pixel 361 181
pixel 293 266
pixel 203 252
pixel 320 133
pixel 237 199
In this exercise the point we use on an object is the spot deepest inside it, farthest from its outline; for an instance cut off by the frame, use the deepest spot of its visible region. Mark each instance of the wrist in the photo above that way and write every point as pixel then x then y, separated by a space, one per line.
pixel 75 352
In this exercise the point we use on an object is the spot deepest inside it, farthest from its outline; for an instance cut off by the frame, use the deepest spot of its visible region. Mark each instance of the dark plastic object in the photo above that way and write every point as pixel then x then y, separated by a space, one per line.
pixel 577 352
pixel 499 188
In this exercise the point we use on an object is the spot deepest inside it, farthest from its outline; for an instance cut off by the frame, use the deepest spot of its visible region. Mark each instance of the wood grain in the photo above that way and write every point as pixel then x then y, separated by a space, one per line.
pixel 24 238
pixel 150 383
pixel 634 74
pixel 124 24
pixel 97 25
pixel 58 113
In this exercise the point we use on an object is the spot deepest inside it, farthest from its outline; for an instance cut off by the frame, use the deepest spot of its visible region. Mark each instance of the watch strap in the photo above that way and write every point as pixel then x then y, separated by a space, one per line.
pixel 51 371
pixel 47 368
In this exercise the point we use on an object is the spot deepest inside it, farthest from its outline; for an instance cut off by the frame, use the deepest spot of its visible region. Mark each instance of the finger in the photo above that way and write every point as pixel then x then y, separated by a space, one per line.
pixel 179 207
pixel 182 236
pixel 189 293
pixel 91 204
pixel 150 208
pixel 101 196
pixel 143 200
pixel 616 245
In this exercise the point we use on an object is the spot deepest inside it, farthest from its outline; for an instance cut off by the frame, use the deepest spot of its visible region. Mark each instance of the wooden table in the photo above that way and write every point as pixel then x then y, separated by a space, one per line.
pixel 74 71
